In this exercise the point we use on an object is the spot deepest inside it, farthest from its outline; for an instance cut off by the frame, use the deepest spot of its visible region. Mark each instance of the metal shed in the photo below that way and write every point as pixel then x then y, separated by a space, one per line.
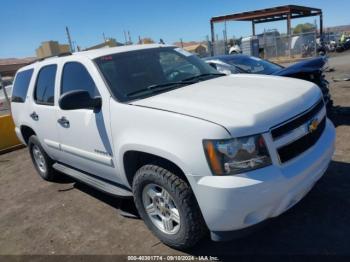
pixel 287 12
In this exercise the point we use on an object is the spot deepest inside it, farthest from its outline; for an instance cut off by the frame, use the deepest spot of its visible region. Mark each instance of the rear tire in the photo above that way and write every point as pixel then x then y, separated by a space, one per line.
pixel 41 161
pixel 186 226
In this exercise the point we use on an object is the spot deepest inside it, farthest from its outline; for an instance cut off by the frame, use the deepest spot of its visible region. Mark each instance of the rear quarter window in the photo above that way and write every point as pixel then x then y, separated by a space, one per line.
pixel 21 85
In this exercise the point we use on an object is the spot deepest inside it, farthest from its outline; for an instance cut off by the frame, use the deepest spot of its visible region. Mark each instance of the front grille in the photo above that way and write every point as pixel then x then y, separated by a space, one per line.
pixel 299 146
pixel 298 121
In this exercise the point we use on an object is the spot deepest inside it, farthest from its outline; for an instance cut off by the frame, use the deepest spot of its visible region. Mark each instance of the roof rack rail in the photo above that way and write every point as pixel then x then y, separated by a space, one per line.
pixel 65 54
pixel 59 55
pixel 43 58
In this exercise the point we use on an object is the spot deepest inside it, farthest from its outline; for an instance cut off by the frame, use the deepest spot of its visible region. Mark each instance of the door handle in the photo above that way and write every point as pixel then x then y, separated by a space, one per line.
pixel 34 116
pixel 63 122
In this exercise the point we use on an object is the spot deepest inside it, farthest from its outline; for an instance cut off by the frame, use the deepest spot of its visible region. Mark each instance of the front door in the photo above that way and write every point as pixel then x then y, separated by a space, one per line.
pixel 84 134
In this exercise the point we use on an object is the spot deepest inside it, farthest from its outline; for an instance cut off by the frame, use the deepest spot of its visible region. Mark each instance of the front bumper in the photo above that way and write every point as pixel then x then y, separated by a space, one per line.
pixel 235 202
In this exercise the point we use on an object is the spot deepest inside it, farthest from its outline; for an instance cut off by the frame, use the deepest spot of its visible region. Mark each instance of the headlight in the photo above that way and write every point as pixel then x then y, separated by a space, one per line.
pixel 237 155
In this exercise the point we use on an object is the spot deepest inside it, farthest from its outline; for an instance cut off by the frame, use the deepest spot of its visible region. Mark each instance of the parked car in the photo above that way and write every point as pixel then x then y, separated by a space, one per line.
pixel 196 150
pixel 343 46
pixel 4 104
pixel 310 70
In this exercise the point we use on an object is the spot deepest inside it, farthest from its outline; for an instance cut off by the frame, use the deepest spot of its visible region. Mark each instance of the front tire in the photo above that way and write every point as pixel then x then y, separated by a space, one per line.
pixel 41 161
pixel 168 207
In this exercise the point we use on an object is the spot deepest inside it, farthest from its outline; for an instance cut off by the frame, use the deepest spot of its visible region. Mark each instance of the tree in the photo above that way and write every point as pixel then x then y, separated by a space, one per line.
pixel 303 28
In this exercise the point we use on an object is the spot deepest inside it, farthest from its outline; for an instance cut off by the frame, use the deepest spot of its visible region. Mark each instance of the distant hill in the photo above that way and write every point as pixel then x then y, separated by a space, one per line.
pixel 339 28
pixel 12 61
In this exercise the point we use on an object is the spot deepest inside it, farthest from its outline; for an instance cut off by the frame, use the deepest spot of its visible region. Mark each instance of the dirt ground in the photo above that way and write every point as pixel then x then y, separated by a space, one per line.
pixel 37 217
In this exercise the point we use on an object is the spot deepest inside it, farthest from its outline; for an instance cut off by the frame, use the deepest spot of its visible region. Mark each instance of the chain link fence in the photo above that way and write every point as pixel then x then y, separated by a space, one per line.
pixel 8 138
pixel 219 47
pixel 273 45
pixel 5 96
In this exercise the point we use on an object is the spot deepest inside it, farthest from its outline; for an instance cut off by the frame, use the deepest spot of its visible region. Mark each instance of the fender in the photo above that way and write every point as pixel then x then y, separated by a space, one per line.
pixel 149 150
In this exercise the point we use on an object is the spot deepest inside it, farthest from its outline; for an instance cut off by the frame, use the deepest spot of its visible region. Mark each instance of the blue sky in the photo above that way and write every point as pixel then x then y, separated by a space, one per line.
pixel 25 24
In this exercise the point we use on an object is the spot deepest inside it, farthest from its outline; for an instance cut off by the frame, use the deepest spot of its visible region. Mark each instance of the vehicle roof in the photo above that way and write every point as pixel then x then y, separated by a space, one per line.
pixel 92 54
pixel 226 57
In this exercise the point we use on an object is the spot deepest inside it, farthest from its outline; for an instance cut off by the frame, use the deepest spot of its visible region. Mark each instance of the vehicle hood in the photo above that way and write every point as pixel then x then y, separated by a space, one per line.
pixel 244 103
pixel 306 66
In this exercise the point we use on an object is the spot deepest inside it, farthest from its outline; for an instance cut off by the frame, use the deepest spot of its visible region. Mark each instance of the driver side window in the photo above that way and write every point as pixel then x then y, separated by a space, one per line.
pixel 76 77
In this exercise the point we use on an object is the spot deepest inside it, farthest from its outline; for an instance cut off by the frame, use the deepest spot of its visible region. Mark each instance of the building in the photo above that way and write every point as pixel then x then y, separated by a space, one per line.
pixel 111 42
pixel 339 29
pixel 198 49
pixel 51 48
pixel 334 33
pixel 185 44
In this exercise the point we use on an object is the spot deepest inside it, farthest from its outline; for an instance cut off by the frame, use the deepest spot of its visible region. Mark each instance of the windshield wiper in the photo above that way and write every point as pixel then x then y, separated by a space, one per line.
pixel 160 87
pixel 241 69
pixel 203 75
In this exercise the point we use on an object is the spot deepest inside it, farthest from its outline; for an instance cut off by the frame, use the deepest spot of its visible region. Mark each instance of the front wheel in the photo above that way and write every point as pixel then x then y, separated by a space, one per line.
pixel 168 207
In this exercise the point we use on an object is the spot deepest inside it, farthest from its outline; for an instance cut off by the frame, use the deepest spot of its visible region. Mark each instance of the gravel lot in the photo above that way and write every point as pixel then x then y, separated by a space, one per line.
pixel 37 217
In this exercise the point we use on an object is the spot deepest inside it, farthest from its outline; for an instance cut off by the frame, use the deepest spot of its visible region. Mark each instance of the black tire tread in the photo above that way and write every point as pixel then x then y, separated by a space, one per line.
pixel 51 174
pixel 185 197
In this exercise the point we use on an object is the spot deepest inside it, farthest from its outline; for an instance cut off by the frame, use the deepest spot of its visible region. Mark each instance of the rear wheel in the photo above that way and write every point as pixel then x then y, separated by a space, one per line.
pixel 168 207
pixel 42 162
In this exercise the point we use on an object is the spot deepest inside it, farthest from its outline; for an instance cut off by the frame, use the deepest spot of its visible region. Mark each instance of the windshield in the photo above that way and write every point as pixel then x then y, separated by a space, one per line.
pixel 140 73
pixel 253 65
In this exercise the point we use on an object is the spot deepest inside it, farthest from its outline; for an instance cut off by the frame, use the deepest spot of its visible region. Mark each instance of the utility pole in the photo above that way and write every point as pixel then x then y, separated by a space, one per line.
pixel 225 40
pixel 129 37
pixel 208 44
pixel 212 37
pixel 125 38
pixel 225 34
pixel 182 44
pixel 69 40
pixel 140 41
pixel 104 37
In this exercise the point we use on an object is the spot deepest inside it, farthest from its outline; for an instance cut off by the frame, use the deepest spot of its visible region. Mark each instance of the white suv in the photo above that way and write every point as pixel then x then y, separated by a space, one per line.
pixel 195 149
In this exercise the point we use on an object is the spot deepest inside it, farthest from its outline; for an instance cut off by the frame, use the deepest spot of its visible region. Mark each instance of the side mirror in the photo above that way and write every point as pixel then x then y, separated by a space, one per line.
pixel 79 99
pixel 213 65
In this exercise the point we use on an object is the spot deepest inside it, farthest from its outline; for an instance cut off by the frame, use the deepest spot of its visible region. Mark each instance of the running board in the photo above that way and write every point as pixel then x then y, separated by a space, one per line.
pixel 94 182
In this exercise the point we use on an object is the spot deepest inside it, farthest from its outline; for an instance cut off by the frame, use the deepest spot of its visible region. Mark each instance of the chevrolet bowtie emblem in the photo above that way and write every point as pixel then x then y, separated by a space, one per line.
pixel 313 125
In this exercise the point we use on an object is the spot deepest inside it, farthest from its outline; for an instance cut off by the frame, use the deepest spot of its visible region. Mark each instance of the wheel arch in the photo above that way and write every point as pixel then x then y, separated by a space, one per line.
pixel 26 132
pixel 135 159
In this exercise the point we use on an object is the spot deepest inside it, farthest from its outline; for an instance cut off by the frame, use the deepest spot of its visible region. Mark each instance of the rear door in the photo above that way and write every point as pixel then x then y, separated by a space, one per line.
pixel 84 134
pixel 43 110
